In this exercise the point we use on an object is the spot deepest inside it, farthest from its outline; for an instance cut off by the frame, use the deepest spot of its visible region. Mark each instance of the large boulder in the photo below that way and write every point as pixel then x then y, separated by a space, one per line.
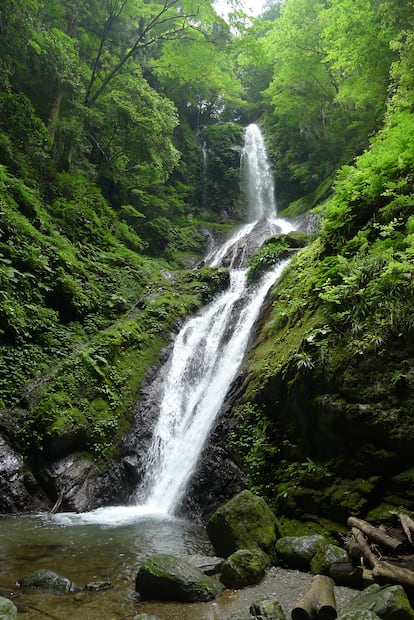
pixel 387 602
pixel 8 610
pixel 244 567
pixel 244 522
pixel 298 551
pixel 169 578
pixel 48 581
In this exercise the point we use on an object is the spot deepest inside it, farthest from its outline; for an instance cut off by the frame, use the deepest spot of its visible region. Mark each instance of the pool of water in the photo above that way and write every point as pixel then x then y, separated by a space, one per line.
pixel 89 548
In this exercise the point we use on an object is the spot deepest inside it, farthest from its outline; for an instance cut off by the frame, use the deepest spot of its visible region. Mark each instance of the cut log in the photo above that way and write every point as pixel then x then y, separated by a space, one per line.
pixel 375 534
pixel 346 574
pixel 318 601
pixel 384 572
pixel 364 546
pixel 407 525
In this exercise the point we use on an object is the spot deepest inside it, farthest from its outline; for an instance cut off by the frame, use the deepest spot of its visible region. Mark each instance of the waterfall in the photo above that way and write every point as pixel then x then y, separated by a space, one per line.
pixel 208 351
pixel 258 176
pixel 206 354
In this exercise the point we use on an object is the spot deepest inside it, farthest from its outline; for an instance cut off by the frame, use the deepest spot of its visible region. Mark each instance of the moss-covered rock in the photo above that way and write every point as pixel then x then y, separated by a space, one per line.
pixel 169 578
pixel 298 551
pixel 8 610
pixel 388 602
pixel 327 554
pixel 244 522
pixel 48 581
pixel 267 609
pixel 242 568
pixel 358 615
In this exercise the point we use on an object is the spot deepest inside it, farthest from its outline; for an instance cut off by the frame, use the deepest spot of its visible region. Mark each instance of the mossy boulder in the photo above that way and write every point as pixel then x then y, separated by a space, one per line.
pixel 145 617
pixel 387 602
pixel 48 581
pixel 359 615
pixel 298 551
pixel 327 554
pixel 169 578
pixel 244 522
pixel 8 611
pixel 244 567
pixel 267 610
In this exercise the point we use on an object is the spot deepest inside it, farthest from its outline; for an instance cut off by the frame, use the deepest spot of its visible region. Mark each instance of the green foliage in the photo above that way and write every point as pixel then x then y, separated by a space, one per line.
pixel 266 257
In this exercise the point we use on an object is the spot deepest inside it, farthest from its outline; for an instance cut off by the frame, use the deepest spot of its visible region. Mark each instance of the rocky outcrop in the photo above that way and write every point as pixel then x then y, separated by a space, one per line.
pixel 169 578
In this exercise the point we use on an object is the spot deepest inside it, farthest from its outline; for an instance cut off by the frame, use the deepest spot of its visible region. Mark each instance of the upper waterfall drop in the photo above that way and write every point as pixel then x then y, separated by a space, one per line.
pixel 257 176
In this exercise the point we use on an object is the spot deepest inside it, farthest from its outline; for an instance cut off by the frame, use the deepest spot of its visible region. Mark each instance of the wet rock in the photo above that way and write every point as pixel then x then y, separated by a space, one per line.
pixel 145 617
pixel 244 522
pixel 8 611
pixel 209 565
pixel 48 581
pixel 387 602
pixel 16 482
pixel 81 486
pixel 244 567
pixel 325 556
pixel 169 578
pixel 298 551
pixel 267 610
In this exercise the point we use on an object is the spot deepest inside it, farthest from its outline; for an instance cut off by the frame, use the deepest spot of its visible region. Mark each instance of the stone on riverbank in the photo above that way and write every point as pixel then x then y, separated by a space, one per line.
pixel 244 522
pixel 298 551
pixel 169 578
pixel 8 611
pixel 244 567
pixel 359 615
pixel 48 581
pixel 388 602
pixel 267 610
pixel 326 555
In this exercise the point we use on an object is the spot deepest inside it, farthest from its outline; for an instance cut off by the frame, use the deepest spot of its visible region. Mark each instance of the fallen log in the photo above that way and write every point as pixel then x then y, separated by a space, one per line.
pixel 318 601
pixel 364 546
pixel 377 535
pixel 346 574
pixel 384 572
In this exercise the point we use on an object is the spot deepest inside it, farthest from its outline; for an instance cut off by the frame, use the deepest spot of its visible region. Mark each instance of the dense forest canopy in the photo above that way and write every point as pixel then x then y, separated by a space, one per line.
pixel 108 110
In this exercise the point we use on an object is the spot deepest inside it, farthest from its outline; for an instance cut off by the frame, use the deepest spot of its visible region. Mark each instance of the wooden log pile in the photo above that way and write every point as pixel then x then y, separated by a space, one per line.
pixel 378 556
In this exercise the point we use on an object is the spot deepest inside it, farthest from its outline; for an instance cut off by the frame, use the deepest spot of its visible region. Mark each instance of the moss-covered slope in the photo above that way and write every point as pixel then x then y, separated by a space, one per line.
pixel 325 419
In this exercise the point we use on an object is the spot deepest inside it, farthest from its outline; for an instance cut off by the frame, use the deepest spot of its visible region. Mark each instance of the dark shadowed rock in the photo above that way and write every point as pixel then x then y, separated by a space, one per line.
pixel 326 555
pixel 245 567
pixel 244 522
pixel 169 578
pixel 48 581
pixel 19 491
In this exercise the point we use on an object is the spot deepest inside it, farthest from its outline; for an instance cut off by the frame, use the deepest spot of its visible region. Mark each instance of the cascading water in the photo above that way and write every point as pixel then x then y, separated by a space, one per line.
pixel 209 349
pixel 206 354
